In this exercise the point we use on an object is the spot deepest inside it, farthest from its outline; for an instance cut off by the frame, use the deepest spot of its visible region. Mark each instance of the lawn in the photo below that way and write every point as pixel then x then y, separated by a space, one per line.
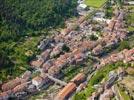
pixel 95 3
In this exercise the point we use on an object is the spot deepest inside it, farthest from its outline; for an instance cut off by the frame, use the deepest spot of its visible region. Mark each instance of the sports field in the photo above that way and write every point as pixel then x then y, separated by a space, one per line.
pixel 95 3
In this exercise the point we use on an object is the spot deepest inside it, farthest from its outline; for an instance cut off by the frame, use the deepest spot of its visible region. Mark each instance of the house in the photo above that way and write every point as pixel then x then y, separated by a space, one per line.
pixel 129 56
pixel 26 75
pixel 84 24
pixel 80 1
pixel 118 25
pixel 5 95
pixel 97 50
pixel 123 35
pixel 79 57
pixel 20 88
pixel 38 81
pixel 47 65
pixel 79 78
pixel 111 25
pixel 107 95
pixel 112 74
pixel 102 42
pixel 45 55
pixel 57 50
pixel 72 34
pixel 11 84
pixel 121 72
pixel 112 78
pixel 115 58
pixel 19 95
pixel 54 71
pixel 66 91
pixel 130 2
pixel 121 16
pixel 44 44
pixel 65 31
pixel 60 63
pixel 37 63
pixel 100 14
pixel 105 61
pixel 31 89
pixel 59 38
pixel 121 56
pixel 81 87
pixel 81 7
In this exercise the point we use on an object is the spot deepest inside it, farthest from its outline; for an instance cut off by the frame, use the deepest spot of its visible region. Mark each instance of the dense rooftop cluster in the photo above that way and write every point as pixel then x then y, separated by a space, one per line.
pixel 54 58
pixel 126 56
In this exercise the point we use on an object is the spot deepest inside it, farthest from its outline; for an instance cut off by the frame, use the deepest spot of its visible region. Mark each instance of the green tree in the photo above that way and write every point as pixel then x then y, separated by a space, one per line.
pixel 19 17
pixel 93 37
pixel 124 45
pixel 79 96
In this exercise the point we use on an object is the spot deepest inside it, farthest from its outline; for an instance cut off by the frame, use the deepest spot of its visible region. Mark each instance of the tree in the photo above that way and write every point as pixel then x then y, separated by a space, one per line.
pixel 93 37
pixel 119 3
pixel 65 48
pixel 19 17
pixel 79 96
pixel 124 45
pixel 4 60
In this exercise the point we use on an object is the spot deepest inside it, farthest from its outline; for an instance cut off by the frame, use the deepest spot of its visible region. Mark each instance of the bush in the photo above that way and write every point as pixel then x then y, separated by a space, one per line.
pixel 124 45
pixel 93 37
pixel 65 48
pixel 79 96
pixel 97 78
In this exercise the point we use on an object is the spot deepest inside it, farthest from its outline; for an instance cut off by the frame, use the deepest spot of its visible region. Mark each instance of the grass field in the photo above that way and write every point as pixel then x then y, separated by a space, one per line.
pixel 95 3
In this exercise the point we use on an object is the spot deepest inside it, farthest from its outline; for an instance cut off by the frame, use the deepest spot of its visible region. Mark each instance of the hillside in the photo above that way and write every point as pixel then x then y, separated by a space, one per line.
pixel 27 18
pixel 19 17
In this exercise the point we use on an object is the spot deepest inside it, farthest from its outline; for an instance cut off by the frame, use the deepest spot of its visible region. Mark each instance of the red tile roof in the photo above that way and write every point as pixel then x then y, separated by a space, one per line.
pixel 11 84
pixel 66 91
pixel 78 78
pixel 5 95
pixel 37 63
pixel 20 88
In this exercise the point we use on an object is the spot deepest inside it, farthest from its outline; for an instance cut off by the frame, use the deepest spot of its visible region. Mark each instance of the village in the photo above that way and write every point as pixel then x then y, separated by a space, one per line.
pixel 72 46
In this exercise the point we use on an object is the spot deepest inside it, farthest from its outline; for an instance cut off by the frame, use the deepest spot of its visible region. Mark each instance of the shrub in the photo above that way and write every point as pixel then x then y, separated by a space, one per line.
pixel 97 78
pixel 79 96
pixel 93 37
pixel 65 48
pixel 124 45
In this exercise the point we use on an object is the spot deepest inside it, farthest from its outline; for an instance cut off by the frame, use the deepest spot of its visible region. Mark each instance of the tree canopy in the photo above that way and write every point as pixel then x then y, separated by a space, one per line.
pixel 17 17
